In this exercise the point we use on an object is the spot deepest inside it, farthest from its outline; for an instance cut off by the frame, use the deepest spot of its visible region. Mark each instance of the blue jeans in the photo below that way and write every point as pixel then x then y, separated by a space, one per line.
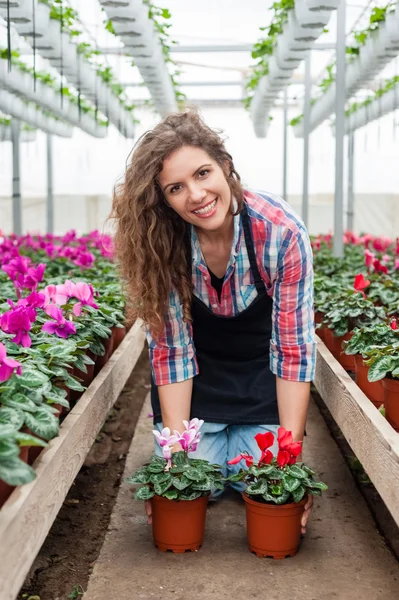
pixel 220 442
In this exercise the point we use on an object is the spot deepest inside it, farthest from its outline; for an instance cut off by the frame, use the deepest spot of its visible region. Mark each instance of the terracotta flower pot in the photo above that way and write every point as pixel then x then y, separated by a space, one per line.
pixel 328 339
pixel 318 317
pixel 273 530
pixel 346 361
pixel 86 378
pixel 118 334
pixel 5 489
pixel 391 401
pixel 373 390
pixel 102 360
pixel 178 525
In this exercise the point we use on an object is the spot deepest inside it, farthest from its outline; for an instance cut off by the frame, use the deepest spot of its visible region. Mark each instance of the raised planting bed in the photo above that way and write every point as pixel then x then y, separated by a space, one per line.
pixel 371 437
pixel 27 516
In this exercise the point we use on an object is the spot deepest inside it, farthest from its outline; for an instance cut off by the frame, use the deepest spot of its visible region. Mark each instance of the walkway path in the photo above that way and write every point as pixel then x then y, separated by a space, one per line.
pixel 342 556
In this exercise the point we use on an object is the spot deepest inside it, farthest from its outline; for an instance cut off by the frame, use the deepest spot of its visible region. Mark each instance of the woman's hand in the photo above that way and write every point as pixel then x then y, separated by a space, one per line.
pixel 306 514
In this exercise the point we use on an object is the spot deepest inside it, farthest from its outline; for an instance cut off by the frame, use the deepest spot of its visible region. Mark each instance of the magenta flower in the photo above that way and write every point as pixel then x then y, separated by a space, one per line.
pixel 59 294
pixel 84 293
pixel 8 365
pixel 34 276
pixel 34 299
pixel 85 260
pixel 60 326
pixel 397 263
pixel 18 321
pixel 17 268
pixel 190 438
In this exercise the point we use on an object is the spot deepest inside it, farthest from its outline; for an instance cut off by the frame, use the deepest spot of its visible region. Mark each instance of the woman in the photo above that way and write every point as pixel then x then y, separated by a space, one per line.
pixel 223 279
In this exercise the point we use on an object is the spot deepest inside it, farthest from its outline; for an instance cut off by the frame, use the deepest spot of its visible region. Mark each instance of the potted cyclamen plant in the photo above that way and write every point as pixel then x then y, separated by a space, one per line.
pixel 362 340
pixel 275 495
pixel 178 487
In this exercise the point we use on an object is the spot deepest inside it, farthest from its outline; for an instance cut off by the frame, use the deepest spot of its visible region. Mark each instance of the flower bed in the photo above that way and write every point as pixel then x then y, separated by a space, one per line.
pixel 61 316
pixel 357 307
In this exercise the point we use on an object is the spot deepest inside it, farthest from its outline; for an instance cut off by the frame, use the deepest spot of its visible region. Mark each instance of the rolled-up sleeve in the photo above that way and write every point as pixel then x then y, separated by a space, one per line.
pixel 293 345
pixel 172 355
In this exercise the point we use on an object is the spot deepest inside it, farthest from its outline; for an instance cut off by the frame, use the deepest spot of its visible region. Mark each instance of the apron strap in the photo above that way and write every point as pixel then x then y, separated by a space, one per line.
pixel 259 284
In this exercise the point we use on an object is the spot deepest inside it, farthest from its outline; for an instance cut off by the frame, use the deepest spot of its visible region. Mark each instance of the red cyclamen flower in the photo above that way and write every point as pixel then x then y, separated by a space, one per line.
pixel 243 456
pixel 361 283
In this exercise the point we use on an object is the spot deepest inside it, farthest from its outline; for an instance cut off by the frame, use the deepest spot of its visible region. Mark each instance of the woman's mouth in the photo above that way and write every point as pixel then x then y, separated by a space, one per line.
pixel 207 210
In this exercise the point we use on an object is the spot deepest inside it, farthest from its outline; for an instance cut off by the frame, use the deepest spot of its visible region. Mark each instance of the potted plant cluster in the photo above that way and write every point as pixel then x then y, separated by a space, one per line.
pixel 276 492
pixel 178 487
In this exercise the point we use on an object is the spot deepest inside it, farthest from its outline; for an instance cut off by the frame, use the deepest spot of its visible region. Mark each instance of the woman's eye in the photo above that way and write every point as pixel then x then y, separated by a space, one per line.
pixel 174 189
pixel 203 172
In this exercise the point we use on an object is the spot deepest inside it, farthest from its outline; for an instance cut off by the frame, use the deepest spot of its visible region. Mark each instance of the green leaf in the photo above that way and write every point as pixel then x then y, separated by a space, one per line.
pixel 61 350
pixel 144 493
pixel 319 485
pixel 25 439
pixel 138 478
pixel 73 384
pixel 205 485
pixel 179 459
pixel 296 471
pixel 43 423
pixel 191 495
pixel 276 490
pixel 193 474
pixel 15 472
pixel 160 488
pixel 171 494
pixel 11 416
pixel 291 483
pixel 181 484
pixel 8 449
pixel 379 368
pixel 160 478
pixel 19 401
pixel 258 488
pixel 298 494
pixel 283 498
pixel 156 467
pixel 30 378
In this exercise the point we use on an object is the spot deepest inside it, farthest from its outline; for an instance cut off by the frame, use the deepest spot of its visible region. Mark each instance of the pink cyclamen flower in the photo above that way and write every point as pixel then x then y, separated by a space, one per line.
pixel 59 294
pixel 188 440
pixel 84 293
pixel 369 257
pixel 18 321
pixel 167 454
pixel 60 326
pixel 34 276
pixel 165 438
pixel 194 424
pixel 397 264
pixel 386 258
pixel 8 365
pixel 85 260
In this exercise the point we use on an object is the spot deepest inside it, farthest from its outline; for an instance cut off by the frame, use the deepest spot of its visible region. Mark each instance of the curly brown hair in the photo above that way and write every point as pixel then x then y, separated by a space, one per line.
pixel 151 238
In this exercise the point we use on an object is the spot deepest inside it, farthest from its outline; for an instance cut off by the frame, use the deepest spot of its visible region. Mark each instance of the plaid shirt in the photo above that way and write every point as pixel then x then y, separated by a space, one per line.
pixel 284 258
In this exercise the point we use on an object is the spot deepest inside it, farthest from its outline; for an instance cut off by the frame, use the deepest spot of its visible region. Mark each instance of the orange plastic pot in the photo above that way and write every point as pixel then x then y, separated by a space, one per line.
pixel 273 530
pixel 118 334
pixel 373 390
pixel 178 526
pixel 328 339
pixel 5 489
pixel 102 360
pixel 347 361
pixel 391 401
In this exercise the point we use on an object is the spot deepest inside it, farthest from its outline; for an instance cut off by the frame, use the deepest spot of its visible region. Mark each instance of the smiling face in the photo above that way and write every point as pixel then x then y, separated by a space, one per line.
pixel 196 188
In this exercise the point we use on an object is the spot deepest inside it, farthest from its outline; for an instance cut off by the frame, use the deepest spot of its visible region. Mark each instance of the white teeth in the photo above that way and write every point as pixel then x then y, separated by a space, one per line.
pixel 206 209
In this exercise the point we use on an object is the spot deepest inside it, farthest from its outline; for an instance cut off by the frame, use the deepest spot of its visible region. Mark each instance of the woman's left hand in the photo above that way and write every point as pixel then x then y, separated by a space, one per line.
pixel 306 514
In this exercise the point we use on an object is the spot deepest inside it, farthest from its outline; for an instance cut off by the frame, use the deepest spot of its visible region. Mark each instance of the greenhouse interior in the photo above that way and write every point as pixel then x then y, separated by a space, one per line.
pixel 199 299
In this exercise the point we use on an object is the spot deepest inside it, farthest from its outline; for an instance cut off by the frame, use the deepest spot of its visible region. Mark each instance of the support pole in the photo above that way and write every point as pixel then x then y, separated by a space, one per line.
pixel 50 197
pixel 16 178
pixel 351 197
pixel 285 143
pixel 338 245
pixel 306 126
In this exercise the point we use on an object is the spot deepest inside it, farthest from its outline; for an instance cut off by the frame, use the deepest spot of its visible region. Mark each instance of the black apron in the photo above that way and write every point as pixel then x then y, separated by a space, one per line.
pixel 235 384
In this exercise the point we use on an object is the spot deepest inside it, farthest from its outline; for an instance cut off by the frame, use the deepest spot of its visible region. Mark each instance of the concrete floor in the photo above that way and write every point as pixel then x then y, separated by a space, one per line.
pixel 342 556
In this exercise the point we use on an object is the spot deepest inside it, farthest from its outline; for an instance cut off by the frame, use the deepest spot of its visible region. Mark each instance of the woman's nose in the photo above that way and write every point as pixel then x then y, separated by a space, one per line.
pixel 196 193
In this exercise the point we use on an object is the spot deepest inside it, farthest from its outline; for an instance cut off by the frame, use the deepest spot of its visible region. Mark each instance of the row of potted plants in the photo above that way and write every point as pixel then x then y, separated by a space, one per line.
pixel 295 27
pixel 373 48
pixel 61 317
pixel 357 310
pixel 178 487
pixel 144 37
pixel 56 31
